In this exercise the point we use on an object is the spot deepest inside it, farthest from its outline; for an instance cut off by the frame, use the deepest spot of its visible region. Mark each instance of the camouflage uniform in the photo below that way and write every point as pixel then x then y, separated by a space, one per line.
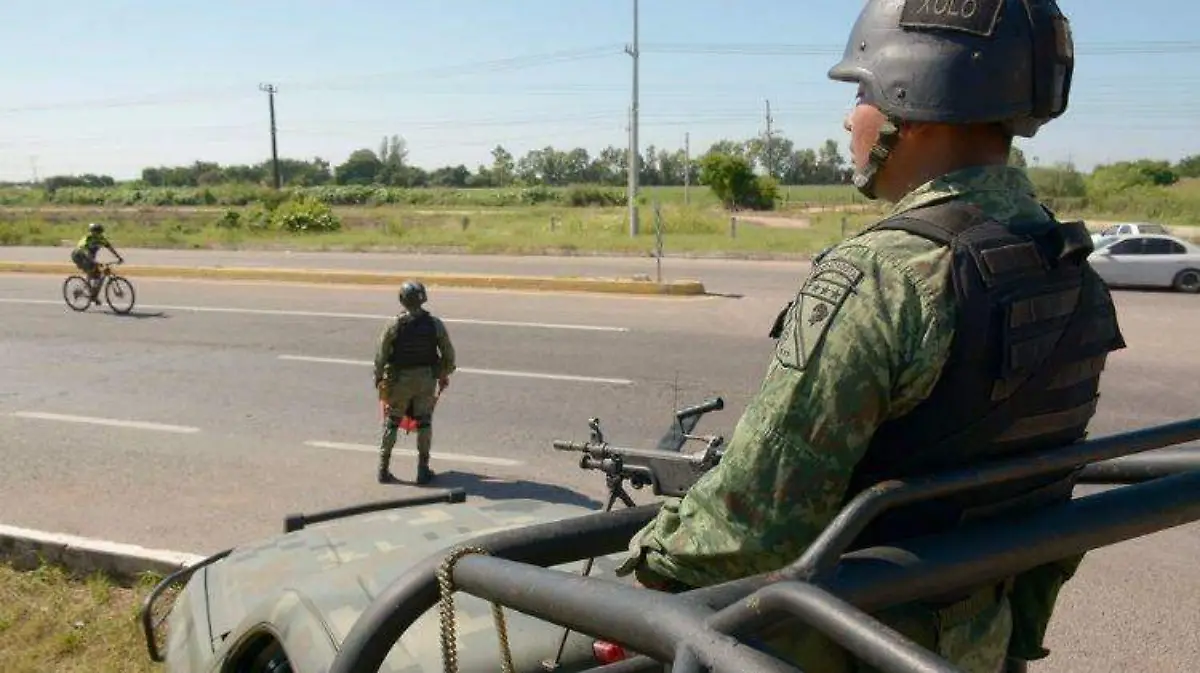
pixel 871 348
pixel 410 391
pixel 872 357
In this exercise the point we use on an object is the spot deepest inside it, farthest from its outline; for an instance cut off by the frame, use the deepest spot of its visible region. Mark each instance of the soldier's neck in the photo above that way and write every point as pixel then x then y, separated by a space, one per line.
pixel 936 162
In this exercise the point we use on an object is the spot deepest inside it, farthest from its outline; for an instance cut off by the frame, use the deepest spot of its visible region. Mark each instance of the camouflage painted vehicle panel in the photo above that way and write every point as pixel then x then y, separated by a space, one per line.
pixel 307 588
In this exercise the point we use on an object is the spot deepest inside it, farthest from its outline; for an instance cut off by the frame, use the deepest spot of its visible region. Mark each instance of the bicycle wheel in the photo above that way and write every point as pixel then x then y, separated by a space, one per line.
pixel 77 292
pixel 119 290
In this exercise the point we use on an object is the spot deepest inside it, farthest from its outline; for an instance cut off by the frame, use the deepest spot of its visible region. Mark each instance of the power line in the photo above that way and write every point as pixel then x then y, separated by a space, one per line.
pixel 1095 90
pixel 342 82
pixel 476 67
pixel 556 57
pixel 1114 117
pixel 697 118
pixel 813 49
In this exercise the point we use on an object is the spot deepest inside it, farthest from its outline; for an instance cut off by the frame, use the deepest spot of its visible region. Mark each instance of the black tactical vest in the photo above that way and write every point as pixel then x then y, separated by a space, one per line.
pixel 1035 324
pixel 416 343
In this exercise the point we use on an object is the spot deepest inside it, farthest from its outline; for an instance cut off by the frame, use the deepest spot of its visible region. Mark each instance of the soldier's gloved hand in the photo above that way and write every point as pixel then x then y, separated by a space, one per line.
pixel 442 383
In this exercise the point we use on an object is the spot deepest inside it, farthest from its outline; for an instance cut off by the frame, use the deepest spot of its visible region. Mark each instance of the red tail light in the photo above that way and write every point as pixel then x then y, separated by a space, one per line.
pixel 608 653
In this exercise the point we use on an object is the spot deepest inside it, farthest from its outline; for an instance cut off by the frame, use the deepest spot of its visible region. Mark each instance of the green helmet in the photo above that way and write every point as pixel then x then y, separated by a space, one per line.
pixel 959 62
pixel 412 294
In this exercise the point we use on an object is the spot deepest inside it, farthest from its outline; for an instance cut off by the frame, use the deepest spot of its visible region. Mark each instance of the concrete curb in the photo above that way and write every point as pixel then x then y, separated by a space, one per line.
pixel 346 277
pixel 26 549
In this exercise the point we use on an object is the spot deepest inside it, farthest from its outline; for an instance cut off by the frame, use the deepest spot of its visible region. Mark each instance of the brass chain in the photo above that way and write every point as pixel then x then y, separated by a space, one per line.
pixel 449 628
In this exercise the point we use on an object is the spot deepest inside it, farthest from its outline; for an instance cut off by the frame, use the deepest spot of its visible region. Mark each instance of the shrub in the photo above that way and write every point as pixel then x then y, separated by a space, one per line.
pixel 733 181
pixel 532 196
pixel 230 219
pixel 580 196
pixel 304 215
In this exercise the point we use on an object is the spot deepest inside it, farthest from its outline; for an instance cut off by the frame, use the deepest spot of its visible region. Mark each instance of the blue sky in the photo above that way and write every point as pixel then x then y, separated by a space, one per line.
pixel 114 86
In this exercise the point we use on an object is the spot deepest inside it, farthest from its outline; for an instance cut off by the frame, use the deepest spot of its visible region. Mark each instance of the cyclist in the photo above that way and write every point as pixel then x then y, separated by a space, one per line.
pixel 84 256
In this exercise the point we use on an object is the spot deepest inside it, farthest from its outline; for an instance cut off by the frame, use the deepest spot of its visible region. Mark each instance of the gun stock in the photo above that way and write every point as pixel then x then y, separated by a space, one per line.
pixel 685 423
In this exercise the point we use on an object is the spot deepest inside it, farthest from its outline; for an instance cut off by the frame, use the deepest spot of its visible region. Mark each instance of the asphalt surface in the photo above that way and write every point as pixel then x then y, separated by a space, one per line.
pixel 264 399
pixel 719 276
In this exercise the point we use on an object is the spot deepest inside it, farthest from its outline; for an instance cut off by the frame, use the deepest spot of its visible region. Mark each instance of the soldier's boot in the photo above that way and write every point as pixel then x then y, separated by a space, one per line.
pixel 385 450
pixel 424 442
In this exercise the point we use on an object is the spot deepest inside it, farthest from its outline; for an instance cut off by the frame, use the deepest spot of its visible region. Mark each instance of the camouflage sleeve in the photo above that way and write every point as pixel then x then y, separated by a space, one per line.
pixel 446 348
pixel 864 341
pixel 384 352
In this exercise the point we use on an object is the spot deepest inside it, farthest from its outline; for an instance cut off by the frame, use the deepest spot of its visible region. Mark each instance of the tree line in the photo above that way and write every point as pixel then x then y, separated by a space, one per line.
pixel 388 165
pixel 728 166
pixel 1064 181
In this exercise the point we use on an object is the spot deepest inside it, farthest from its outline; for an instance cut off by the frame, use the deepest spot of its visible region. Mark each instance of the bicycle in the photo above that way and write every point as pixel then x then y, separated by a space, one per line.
pixel 115 288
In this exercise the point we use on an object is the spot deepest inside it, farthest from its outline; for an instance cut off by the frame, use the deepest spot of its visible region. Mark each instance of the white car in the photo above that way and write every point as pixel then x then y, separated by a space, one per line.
pixel 1124 228
pixel 1148 260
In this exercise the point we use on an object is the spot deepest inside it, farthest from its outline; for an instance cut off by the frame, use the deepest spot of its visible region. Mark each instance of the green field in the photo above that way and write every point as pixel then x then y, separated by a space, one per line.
pixel 791 197
pixel 50 621
pixel 533 230
pixel 519 220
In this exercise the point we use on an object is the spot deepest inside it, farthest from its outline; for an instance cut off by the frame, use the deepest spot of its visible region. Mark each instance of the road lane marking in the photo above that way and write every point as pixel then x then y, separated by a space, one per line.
pixel 436 454
pixel 349 316
pixel 113 422
pixel 469 370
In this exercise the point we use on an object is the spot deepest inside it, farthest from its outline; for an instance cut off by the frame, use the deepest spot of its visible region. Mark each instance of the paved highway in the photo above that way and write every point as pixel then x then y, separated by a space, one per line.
pixel 260 382
pixel 719 276
pixel 216 409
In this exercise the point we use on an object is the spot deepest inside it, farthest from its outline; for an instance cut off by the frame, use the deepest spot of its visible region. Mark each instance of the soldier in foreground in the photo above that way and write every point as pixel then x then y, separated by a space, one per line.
pixel 965 326
pixel 412 367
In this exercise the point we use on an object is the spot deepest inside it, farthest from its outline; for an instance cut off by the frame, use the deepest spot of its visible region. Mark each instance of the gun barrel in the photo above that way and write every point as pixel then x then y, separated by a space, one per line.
pixel 715 404
pixel 1142 467
pixel 627 454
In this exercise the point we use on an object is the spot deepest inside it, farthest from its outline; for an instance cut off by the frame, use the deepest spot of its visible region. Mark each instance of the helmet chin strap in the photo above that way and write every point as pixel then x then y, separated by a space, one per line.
pixel 865 177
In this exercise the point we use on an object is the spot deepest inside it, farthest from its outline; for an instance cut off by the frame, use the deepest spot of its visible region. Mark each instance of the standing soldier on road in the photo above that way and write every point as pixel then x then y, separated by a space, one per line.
pixel 964 327
pixel 415 356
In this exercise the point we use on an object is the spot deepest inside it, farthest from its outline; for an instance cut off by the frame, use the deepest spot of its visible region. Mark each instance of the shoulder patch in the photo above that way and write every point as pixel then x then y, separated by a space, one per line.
pixel 813 311
pixel 977 17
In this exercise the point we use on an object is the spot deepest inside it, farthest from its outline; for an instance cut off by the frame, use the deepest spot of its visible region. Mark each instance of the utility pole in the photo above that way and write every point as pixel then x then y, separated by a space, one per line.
pixel 629 142
pixel 634 168
pixel 687 167
pixel 270 89
pixel 770 149
pixel 33 165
